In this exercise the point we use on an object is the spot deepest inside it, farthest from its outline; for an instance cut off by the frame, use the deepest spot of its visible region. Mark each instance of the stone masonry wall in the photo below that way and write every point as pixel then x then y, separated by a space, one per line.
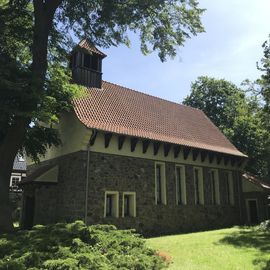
pixel 65 201
pixel 118 173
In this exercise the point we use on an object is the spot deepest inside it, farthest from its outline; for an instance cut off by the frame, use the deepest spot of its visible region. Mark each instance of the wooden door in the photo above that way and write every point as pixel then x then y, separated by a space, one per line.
pixel 29 212
pixel 253 211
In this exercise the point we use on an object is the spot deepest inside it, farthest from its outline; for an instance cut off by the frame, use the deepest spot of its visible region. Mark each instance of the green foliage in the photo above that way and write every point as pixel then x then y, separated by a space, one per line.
pixel 264 81
pixel 264 226
pixel 76 246
pixel 162 24
pixel 16 97
pixel 237 115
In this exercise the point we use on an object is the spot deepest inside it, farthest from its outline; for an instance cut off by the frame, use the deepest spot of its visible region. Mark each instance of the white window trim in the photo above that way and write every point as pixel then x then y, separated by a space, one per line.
pixel 134 203
pixel 183 185
pixel 116 204
pixel 14 176
pixel 163 183
pixel 217 186
pixel 201 185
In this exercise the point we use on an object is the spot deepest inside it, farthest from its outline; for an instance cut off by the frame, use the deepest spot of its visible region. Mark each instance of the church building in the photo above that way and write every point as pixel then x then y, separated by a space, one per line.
pixel 135 161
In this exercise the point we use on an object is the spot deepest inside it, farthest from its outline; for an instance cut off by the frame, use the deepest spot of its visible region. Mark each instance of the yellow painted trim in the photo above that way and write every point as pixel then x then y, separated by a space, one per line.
pixel 116 193
pixel 134 205
pixel 99 147
pixel 74 136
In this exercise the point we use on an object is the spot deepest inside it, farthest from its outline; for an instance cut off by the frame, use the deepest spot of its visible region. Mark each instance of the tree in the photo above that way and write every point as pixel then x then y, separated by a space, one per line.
pixel 17 98
pixel 260 89
pixel 239 117
pixel 38 32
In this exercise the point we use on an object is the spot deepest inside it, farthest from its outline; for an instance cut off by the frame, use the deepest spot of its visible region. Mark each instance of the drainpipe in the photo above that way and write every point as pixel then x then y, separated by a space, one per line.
pixel 87 175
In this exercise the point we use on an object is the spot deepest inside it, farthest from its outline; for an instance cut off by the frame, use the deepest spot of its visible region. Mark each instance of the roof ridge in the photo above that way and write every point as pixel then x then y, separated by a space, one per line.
pixel 152 96
pixel 147 116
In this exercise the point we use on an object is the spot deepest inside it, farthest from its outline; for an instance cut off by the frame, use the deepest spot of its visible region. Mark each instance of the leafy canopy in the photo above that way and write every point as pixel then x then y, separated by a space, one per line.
pixel 161 25
pixel 237 115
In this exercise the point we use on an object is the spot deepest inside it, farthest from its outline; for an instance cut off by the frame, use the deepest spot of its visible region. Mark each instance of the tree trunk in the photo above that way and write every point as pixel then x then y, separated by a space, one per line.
pixel 8 149
pixel 43 18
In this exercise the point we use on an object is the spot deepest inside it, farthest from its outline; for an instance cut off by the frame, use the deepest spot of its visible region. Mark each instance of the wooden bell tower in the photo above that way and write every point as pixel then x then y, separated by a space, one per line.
pixel 86 64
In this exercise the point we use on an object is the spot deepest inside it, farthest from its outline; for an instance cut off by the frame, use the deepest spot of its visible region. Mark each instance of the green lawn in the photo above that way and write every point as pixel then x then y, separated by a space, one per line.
pixel 234 248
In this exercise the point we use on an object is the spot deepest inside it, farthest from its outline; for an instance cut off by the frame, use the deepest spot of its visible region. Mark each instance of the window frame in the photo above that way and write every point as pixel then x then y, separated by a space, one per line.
pixel 215 186
pixel 87 57
pixel 13 187
pixel 199 200
pixel 132 204
pixel 115 205
pixel 182 190
pixel 163 184
pixel 229 188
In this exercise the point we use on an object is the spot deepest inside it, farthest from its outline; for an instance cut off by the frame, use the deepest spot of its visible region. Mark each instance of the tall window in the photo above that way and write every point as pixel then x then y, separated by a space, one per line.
pixel 129 204
pixel 160 183
pixel 213 176
pixel 109 205
pixel 87 61
pixel 229 188
pixel 111 208
pixel 94 62
pixel 198 185
pixel 90 61
pixel 180 184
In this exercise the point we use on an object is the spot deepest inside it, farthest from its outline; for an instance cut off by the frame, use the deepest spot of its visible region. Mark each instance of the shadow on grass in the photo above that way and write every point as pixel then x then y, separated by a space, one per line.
pixel 251 238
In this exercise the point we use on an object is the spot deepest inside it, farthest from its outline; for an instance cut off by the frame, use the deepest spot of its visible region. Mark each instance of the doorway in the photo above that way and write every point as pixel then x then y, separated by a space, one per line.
pixel 252 211
pixel 29 212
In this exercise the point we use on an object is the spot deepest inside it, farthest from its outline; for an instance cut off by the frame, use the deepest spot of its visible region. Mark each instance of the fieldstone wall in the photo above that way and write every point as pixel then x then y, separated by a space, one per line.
pixel 65 201
pixel 118 173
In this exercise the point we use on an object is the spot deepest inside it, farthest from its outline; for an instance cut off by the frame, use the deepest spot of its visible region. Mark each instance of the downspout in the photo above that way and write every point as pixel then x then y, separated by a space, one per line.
pixel 87 175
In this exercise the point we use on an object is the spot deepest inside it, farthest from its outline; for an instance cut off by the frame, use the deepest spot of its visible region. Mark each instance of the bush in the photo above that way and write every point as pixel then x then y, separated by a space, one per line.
pixel 264 226
pixel 76 246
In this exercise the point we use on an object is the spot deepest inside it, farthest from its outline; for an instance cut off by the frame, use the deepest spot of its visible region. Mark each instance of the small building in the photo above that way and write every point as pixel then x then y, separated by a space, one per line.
pixel 256 199
pixel 134 160
pixel 18 173
pixel 15 191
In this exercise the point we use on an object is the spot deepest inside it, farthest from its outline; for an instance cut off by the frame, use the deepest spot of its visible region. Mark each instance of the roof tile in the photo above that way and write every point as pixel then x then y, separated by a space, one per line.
pixel 124 111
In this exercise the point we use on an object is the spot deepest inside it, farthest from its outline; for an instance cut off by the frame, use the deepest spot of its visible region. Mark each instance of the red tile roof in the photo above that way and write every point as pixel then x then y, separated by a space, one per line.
pixel 86 44
pixel 124 111
pixel 254 179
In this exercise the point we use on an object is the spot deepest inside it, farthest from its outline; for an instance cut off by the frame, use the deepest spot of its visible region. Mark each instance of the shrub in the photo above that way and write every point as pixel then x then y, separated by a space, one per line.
pixel 76 246
pixel 264 226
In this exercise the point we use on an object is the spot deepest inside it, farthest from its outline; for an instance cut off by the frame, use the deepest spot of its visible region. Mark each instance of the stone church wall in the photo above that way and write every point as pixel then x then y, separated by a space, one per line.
pixel 65 201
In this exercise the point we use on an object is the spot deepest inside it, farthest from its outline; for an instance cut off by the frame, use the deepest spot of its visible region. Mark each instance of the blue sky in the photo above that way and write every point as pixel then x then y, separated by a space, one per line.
pixel 229 49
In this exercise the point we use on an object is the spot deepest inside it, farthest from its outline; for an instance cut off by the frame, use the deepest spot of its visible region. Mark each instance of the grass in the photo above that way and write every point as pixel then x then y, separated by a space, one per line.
pixel 226 249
